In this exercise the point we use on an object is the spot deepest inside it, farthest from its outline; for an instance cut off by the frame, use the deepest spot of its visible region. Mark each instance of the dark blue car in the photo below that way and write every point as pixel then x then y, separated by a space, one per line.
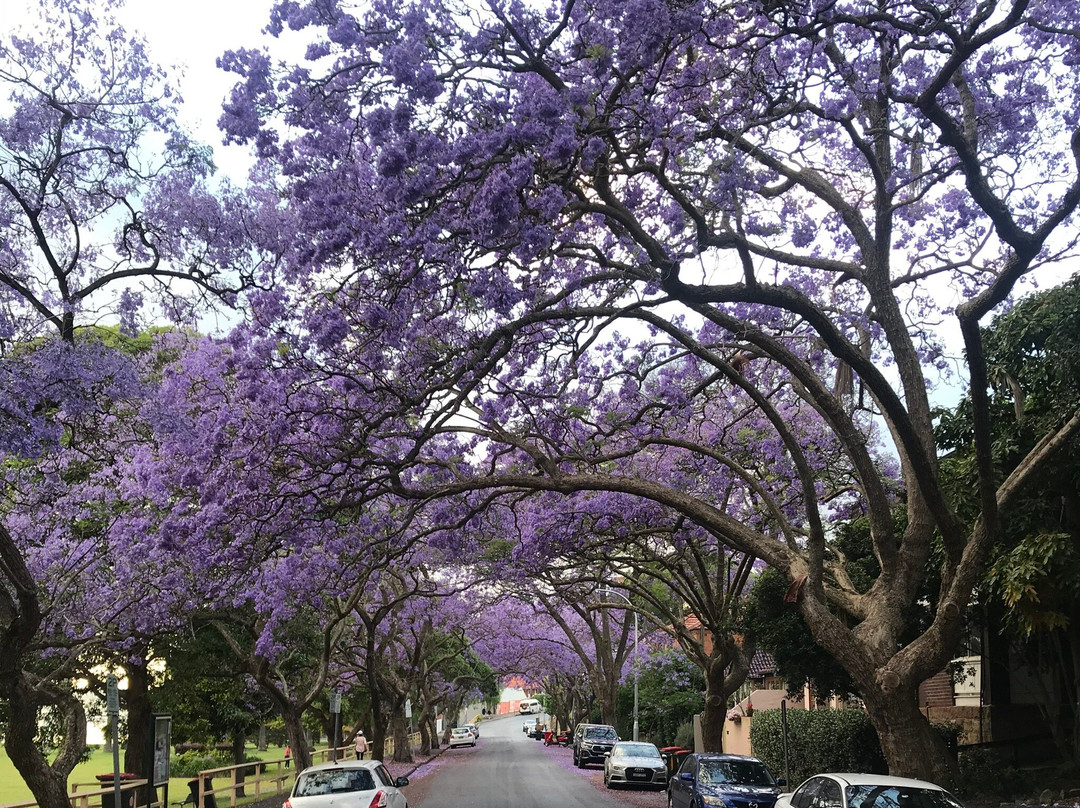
pixel 722 781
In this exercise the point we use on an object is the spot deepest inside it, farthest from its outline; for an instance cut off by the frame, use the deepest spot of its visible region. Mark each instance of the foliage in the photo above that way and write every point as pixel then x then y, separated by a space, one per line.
pixel 818 741
pixel 684 736
pixel 669 695
pixel 190 764
pixel 677 256
pixel 780 630
pixel 1033 352
pixel 983 773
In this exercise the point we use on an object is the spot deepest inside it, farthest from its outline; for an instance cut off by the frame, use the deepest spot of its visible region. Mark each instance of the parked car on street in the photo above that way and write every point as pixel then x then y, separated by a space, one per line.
pixel 475 730
pixel 635 763
pixel 347 782
pixel 593 743
pixel 867 791
pixel 723 780
pixel 461 736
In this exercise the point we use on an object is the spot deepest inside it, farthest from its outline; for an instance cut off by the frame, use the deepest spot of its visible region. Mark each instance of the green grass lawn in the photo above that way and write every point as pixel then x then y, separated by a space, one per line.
pixel 13 789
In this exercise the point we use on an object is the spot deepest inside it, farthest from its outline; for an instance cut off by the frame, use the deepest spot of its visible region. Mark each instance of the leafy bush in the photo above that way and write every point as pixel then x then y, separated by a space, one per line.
pixel 190 764
pixel 684 736
pixel 950 732
pixel 818 741
pixel 983 773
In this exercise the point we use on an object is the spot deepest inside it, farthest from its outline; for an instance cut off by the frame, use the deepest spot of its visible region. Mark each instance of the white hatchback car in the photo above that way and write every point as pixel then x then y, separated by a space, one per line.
pixel 353 783
pixel 866 791
pixel 462 736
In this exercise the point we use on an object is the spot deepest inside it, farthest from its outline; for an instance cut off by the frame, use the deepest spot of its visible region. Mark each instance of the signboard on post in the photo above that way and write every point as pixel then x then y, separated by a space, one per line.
pixel 112 707
pixel 335 709
pixel 162 743
pixel 112 696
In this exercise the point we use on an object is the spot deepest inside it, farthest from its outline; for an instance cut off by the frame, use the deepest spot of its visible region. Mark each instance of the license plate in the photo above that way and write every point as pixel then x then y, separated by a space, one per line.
pixel 639 775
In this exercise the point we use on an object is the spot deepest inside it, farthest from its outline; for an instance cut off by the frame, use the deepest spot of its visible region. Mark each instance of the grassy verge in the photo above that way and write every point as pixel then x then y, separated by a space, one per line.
pixel 13 789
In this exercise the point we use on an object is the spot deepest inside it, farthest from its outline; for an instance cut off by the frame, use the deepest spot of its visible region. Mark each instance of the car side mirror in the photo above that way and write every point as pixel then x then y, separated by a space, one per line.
pixel 780 781
pixel 401 782
pixel 687 776
pixel 607 754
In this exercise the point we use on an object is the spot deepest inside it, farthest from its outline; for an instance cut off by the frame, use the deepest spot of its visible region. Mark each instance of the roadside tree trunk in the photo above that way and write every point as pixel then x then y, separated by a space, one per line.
pixel 48 783
pixel 20 620
pixel 720 684
pixel 137 698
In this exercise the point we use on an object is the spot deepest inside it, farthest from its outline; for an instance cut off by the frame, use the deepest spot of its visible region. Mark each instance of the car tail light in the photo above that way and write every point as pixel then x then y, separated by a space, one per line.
pixel 286 804
pixel 378 801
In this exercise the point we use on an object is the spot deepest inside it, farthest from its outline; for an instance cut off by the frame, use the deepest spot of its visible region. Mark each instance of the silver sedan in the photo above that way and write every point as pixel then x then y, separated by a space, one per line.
pixel 633 763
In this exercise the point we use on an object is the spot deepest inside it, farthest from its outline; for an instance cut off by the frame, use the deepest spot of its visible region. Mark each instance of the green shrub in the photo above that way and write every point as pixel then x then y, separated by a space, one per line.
pixel 950 732
pixel 818 741
pixel 984 774
pixel 684 736
pixel 190 764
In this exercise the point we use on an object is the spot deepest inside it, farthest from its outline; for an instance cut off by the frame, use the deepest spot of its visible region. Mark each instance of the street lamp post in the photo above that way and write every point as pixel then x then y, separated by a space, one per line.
pixel 608 591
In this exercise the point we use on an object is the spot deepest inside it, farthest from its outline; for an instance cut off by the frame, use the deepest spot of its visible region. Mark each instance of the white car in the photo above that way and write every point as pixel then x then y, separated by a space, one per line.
pixel 461 736
pixel 866 791
pixel 635 763
pixel 347 782
pixel 475 730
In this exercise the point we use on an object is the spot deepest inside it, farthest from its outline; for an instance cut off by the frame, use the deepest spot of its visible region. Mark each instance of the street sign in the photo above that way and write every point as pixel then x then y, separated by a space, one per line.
pixel 408 708
pixel 112 696
pixel 335 701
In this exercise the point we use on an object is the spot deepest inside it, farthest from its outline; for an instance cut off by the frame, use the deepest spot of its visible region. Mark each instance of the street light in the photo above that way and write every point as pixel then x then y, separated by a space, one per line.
pixel 604 590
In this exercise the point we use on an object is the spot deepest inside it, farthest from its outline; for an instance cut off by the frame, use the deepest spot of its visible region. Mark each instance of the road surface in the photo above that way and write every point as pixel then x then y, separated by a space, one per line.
pixel 507 769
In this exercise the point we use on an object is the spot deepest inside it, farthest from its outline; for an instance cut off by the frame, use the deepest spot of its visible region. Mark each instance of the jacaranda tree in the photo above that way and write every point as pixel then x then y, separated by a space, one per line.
pixel 813 190
pixel 104 202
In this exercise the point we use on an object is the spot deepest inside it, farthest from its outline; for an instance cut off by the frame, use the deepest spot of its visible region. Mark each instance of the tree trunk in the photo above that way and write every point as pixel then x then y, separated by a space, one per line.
pixel 47 783
pixel 301 752
pixel 433 728
pixel 137 701
pixel 402 747
pixel 725 670
pixel 715 711
pixel 238 744
pixel 262 744
pixel 425 734
pixel 911 746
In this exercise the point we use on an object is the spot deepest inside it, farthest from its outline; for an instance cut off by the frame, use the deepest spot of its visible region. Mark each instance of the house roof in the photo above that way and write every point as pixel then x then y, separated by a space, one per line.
pixel 762 664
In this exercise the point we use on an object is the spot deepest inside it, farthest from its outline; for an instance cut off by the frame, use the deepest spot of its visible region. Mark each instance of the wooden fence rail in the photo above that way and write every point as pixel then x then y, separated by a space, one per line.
pixel 267 778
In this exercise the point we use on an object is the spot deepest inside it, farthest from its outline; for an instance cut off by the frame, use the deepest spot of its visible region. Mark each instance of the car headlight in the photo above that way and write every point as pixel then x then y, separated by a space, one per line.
pixel 720 802
pixel 617 768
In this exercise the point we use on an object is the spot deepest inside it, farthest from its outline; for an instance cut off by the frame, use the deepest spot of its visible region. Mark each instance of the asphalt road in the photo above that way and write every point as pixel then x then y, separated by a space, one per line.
pixel 506 769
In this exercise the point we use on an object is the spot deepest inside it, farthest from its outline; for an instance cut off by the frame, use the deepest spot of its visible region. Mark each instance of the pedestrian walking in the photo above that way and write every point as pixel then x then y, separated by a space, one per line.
pixel 361 745
pixel 288 755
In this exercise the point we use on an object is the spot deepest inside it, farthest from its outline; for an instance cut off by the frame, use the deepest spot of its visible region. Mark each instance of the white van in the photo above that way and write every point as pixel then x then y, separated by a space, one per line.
pixel 529 706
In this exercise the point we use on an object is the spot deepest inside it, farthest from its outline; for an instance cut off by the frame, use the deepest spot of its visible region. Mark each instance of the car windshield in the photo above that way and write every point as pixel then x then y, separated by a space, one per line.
pixel 601 732
pixel 334 781
pixel 871 796
pixel 739 772
pixel 639 750
pixel 461 731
